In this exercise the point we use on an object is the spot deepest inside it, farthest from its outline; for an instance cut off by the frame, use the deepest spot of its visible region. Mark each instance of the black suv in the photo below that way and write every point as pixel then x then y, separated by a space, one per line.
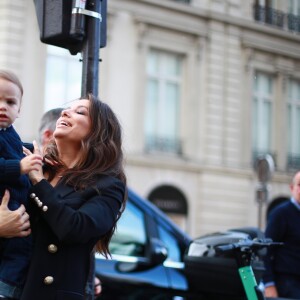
pixel 147 256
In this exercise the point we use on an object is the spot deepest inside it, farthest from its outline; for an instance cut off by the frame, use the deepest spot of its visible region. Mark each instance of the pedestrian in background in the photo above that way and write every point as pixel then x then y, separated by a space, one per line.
pixel 282 276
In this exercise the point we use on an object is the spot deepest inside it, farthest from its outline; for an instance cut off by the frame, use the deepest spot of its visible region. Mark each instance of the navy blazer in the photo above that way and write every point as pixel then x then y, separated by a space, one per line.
pixel 66 224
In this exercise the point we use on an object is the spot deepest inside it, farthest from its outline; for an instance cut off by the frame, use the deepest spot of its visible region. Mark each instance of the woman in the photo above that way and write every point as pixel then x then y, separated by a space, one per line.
pixel 77 200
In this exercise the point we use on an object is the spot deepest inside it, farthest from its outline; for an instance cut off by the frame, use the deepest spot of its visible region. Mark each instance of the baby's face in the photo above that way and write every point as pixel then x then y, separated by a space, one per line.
pixel 10 102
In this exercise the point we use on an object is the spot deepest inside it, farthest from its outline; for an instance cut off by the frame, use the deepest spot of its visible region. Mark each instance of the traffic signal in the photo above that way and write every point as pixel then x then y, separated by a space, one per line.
pixel 62 23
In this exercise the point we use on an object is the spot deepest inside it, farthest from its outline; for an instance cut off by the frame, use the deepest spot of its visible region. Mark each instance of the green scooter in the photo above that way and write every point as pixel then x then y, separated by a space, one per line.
pixel 243 252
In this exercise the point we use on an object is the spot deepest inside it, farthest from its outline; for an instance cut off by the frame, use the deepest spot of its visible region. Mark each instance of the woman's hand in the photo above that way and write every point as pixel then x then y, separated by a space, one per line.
pixel 98 287
pixel 271 292
pixel 13 223
pixel 36 172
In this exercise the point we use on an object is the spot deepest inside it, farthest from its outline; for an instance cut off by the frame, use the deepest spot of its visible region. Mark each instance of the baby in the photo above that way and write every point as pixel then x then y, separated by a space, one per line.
pixel 14 165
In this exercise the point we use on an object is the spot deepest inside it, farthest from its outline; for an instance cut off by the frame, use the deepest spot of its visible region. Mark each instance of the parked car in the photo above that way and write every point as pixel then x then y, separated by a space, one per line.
pixel 148 258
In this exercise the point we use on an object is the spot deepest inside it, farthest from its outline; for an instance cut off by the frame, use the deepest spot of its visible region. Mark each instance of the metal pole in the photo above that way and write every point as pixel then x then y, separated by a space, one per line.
pixel 262 199
pixel 264 167
pixel 89 84
pixel 91 52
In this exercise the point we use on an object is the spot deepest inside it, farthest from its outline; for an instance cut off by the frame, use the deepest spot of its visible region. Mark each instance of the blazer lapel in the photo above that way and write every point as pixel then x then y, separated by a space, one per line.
pixel 63 190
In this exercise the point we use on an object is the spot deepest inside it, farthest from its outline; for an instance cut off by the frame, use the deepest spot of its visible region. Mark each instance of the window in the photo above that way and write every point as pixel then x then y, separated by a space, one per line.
pixel 294 7
pixel 130 236
pixel 293 118
pixel 63 77
pixel 294 15
pixel 162 102
pixel 171 243
pixel 267 3
pixel 262 114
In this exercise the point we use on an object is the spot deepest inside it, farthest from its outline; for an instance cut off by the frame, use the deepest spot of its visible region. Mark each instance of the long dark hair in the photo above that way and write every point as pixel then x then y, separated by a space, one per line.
pixel 101 155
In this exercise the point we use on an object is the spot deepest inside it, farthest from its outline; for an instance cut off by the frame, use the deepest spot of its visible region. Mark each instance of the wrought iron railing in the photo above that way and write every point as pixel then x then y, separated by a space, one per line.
pixel 163 144
pixel 293 162
pixel 183 1
pixel 293 22
pixel 276 18
pixel 269 15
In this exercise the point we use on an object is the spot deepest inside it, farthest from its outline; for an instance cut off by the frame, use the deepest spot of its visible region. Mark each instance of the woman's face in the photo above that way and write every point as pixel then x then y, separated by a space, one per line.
pixel 75 123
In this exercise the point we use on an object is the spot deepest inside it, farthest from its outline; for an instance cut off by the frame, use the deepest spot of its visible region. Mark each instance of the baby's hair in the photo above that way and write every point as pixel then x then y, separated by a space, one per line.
pixel 12 77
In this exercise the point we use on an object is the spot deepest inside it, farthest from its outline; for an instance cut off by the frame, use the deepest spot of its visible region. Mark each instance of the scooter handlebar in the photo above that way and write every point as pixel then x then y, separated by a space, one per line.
pixel 247 245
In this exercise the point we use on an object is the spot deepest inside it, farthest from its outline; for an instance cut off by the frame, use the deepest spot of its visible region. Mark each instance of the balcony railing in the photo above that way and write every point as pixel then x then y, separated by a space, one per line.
pixel 293 162
pixel 182 1
pixel 293 22
pixel 276 18
pixel 166 145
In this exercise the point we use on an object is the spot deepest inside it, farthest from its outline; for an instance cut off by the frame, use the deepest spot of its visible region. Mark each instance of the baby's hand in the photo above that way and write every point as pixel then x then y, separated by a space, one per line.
pixel 31 162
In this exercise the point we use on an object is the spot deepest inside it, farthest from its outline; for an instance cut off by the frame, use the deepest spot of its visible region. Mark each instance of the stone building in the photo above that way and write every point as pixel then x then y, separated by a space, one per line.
pixel 202 88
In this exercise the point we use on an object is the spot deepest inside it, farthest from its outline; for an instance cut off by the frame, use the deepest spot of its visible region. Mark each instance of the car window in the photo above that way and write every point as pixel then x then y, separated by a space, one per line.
pixel 130 236
pixel 171 243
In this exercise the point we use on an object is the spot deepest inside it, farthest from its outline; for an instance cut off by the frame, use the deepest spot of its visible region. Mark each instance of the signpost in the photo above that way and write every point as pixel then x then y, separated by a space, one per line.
pixel 264 167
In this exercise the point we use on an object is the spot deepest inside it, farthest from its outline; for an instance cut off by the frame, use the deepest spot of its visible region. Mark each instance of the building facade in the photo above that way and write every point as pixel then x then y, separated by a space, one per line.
pixel 202 89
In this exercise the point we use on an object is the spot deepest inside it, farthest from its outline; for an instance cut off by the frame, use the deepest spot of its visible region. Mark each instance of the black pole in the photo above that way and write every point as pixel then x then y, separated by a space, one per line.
pixel 89 84
pixel 91 51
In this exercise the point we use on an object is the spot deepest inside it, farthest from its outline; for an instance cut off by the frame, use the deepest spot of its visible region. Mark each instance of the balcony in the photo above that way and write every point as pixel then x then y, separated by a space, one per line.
pixel 293 162
pixel 183 1
pixel 293 22
pixel 276 18
pixel 163 145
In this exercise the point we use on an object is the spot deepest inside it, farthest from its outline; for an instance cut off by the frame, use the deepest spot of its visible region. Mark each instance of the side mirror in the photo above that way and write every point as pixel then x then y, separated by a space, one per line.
pixel 156 254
